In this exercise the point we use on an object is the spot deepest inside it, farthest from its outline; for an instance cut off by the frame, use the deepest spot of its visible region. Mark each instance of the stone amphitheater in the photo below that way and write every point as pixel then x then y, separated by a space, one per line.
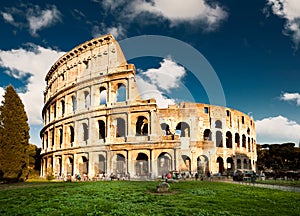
pixel 96 123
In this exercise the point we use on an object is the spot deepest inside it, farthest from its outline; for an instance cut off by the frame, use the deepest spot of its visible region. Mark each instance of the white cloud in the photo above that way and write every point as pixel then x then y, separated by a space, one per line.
pixel 277 129
pixel 148 90
pixel 110 4
pixel 118 31
pixel 291 97
pixel 35 60
pixel 167 76
pixel 8 17
pixel 187 10
pixel 290 11
pixel 39 19
pixel 16 73
pixel 156 83
pixel 31 17
pixel 2 91
pixel 175 11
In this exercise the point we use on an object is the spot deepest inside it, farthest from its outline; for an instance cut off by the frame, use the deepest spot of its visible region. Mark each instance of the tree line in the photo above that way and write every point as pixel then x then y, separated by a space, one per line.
pixel 18 158
pixel 278 157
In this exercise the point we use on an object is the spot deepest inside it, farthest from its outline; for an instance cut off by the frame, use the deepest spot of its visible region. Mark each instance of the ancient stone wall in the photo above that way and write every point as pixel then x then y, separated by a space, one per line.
pixel 96 122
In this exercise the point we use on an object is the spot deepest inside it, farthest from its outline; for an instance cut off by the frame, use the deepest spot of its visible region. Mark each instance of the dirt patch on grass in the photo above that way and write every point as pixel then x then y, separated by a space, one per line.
pixel 171 192
pixel 13 186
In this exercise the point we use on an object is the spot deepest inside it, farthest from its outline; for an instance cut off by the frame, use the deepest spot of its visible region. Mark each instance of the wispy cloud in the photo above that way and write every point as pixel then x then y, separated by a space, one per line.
pixel 290 11
pixel 158 82
pixel 32 17
pixel 294 97
pixel 183 11
pixel 36 61
pixel 277 129
pixel 42 18
pixel 117 31
pixel 8 17
pixel 206 16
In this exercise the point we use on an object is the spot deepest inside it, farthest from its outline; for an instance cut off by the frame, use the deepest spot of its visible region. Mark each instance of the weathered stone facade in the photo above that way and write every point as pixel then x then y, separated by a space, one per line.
pixel 95 121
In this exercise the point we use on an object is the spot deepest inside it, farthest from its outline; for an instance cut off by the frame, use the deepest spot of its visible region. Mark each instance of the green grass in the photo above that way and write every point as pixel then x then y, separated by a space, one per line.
pixel 280 182
pixel 139 198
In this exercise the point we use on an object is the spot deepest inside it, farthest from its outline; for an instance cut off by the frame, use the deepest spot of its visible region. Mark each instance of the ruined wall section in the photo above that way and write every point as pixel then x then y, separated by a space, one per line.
pixel 210 130
pixel 93 114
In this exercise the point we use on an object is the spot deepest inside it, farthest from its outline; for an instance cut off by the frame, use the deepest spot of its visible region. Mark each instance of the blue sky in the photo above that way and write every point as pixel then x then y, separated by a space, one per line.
pixel 253 47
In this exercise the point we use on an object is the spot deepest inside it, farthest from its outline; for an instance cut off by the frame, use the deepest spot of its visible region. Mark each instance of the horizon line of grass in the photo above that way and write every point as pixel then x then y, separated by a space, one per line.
pixel 141 198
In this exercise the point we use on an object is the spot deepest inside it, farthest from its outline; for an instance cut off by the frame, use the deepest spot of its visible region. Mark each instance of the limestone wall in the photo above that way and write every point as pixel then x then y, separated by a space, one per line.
pixel 95 122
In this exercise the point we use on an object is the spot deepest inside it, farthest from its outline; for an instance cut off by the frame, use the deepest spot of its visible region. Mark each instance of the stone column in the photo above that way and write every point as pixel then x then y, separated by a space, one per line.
pixel 153 165
pixel 75 164
pixel 130 164
pixel 109 163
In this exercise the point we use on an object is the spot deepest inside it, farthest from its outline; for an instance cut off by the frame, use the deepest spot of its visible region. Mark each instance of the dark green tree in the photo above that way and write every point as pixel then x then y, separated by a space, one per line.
pixel 14 138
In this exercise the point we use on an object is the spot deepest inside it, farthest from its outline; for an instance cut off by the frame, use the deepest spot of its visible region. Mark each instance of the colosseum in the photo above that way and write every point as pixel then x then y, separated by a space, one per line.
pixel 95 123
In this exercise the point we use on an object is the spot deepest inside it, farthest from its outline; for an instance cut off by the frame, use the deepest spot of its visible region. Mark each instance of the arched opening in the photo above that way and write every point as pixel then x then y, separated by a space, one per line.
pixel 46 140
pixel 237 139
pixel 230 165
pixel 245 164
pixel 74 103
pixel 187 161
pixel 59 166
pixel 54 110
pixel 141 165
pixel 250 164
pixel 218 124
pixel 87 99
pixel 103 95
pixel 62 104
pixel 141 126
pixel 164 163
pixel 207 134
pixel 239 164
pixel 60 137
pixel 249 144
pixel 202 164
pixel 121 93
pixel 221 164
pixel 228 139
pixel 85 132
pixel 71 135
pixel 83 166
pixel 228 113
pixel 120 130
pixel 165 128
pixel 52 138
pixel 101 165
pixel 120 164
pixel 244 141
pixel 248 131
pixel 101 129
pixel 219 139
pixel 70 164
pixel 183 129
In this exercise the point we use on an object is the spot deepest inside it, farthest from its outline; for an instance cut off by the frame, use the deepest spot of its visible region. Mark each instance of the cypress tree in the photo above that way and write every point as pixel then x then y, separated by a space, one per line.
pixel 14 138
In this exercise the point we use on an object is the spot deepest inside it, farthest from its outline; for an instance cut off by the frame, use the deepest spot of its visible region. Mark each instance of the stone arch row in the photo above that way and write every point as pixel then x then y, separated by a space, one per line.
pixel 59 108
pixel 142 164
pixel 68 136
pixel 250 142
pixel 233 164
pixel 119 164
pixel 182 129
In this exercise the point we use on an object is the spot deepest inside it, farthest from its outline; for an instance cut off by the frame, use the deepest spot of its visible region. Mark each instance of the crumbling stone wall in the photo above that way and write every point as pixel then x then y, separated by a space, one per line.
pixel 96 122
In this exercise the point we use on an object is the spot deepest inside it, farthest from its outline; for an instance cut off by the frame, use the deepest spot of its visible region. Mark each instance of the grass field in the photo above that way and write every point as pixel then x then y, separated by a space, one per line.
pixel 281 182
pixel 140 198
